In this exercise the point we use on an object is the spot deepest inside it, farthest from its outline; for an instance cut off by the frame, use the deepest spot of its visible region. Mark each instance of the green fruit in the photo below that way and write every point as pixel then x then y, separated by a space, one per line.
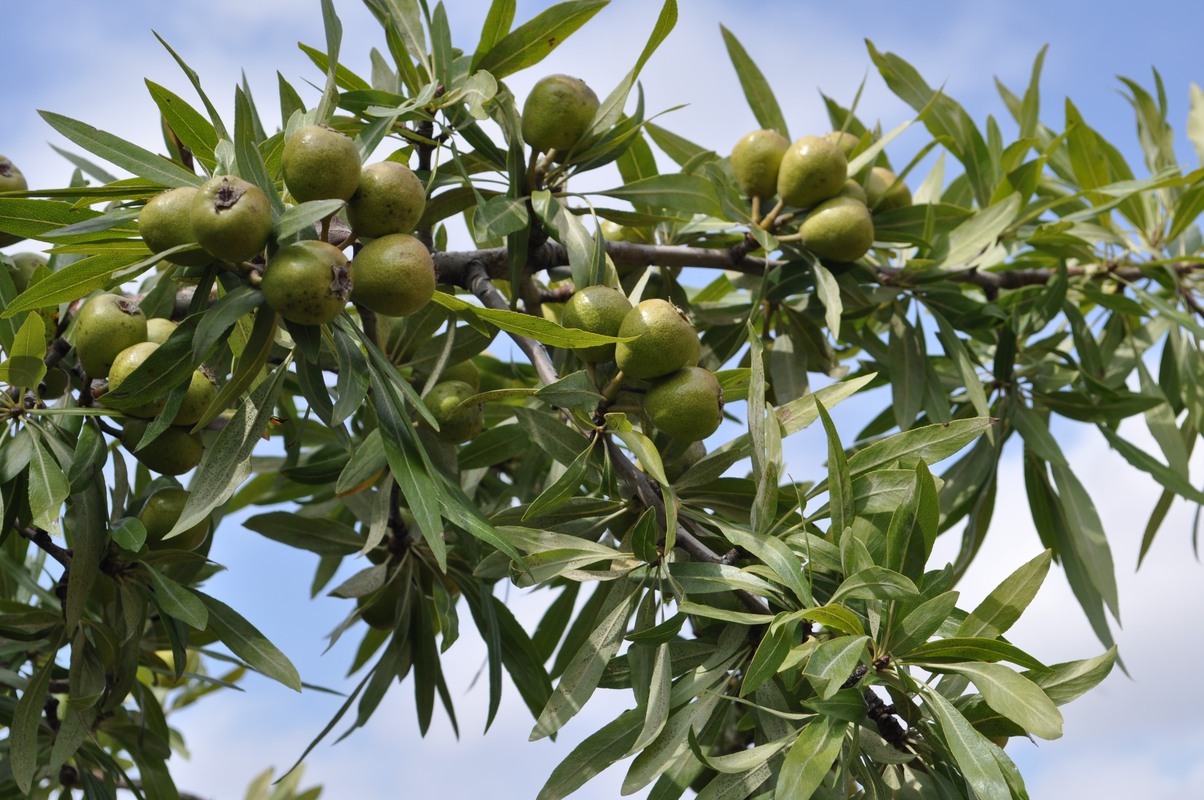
pixel 307 282
pixel 755 162
pixel 106 325
pixel 686 405
pixel 465 371
pixel 159 330
pixel 23 267
pixel 319 163
pixel 813 170
pixel 166 222
pixel 231 218
pixel 846 141
pixel 192 663
pixel 159 515
pixel 666 340
pixel 174 452
pixel 393 275
pixel 885 192
pixel 390 199
pixel 853 189
pixel 11 178
pixel 557 113
pixel 839 229
pixel 457 423
pixel 597 309
pixel 614 232
pixel 124 364
pixel 198 397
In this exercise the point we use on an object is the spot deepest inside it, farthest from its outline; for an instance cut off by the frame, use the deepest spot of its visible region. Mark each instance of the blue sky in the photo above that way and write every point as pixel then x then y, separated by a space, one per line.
pixel 87 60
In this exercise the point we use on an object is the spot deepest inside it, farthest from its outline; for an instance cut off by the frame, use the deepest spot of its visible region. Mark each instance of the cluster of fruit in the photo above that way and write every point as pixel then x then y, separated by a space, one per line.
pixel 308 282
pixel 682 400
pixel 112 339
pixel 812 174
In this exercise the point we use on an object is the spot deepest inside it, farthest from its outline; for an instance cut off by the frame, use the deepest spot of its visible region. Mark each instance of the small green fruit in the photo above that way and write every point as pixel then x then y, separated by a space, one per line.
pixel 23 267
pixel 198 397
pixel 124 365
pixel 319 163
pixel 755 162
pixel 11 178
pixel 457 423
pixel 846 141
pixel 813 170
pixel 192 663
pixel 597 309
pixel 390 199
pixel 106 325
pixel 465 371
pixel 557 113
pixel 159 515
pixel 159 330
pixel 686 405
pixel 676 465
pixel 666 340
pixel 885 192
pixel 614 232
pixel 231 218
pixel 393 275
pixel 307 282
pixel 174 452
pixel 839 229
pixel 166 222
pixel 853 189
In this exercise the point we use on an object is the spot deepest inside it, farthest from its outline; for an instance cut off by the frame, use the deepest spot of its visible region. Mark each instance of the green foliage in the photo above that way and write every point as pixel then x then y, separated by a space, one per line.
pixel 779 637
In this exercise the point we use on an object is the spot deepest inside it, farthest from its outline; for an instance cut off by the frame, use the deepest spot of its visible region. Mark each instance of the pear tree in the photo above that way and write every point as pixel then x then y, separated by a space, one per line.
pixel 333 283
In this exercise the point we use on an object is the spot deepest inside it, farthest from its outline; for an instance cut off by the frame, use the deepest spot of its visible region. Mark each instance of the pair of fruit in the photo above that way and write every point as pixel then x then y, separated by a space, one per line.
pixel 320 163
pixel 309 282
pixel 684 401
pixel 229 218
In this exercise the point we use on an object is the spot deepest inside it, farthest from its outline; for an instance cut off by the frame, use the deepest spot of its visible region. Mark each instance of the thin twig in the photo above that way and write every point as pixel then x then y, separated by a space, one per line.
pixel 42 539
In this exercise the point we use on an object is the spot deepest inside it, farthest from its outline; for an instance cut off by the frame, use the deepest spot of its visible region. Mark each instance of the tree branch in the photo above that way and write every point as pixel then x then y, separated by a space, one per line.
pixel 42 539
pixel 477 280
pixel 452 266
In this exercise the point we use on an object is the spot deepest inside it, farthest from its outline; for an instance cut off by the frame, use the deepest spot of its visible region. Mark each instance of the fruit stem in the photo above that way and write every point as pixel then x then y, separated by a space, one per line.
pixel 767 223
pixel 611 390
pixel 756 209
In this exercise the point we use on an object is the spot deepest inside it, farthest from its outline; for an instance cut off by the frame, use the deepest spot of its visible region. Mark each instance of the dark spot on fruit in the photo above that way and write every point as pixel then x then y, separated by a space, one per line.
pixel 6 168
pixel 128 307
pixel 227 196
pixel 340 284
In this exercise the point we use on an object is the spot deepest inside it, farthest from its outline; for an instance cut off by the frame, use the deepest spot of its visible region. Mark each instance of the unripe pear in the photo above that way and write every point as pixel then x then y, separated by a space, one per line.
pixel 390 199
pixel 174 452
pixel 885 192
pixel 106 325
pixel 557 113
pixel 393 275
pixel 124 365
pixel 23 267
pixel 597 309
pixel 846 141
pixel 755 162
pixel 307 282
pixel 320 163
pixel 665 340
pixel 839 230
pixel 813 169
pixel 686 405
pixel 457 423
pixel 231 218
